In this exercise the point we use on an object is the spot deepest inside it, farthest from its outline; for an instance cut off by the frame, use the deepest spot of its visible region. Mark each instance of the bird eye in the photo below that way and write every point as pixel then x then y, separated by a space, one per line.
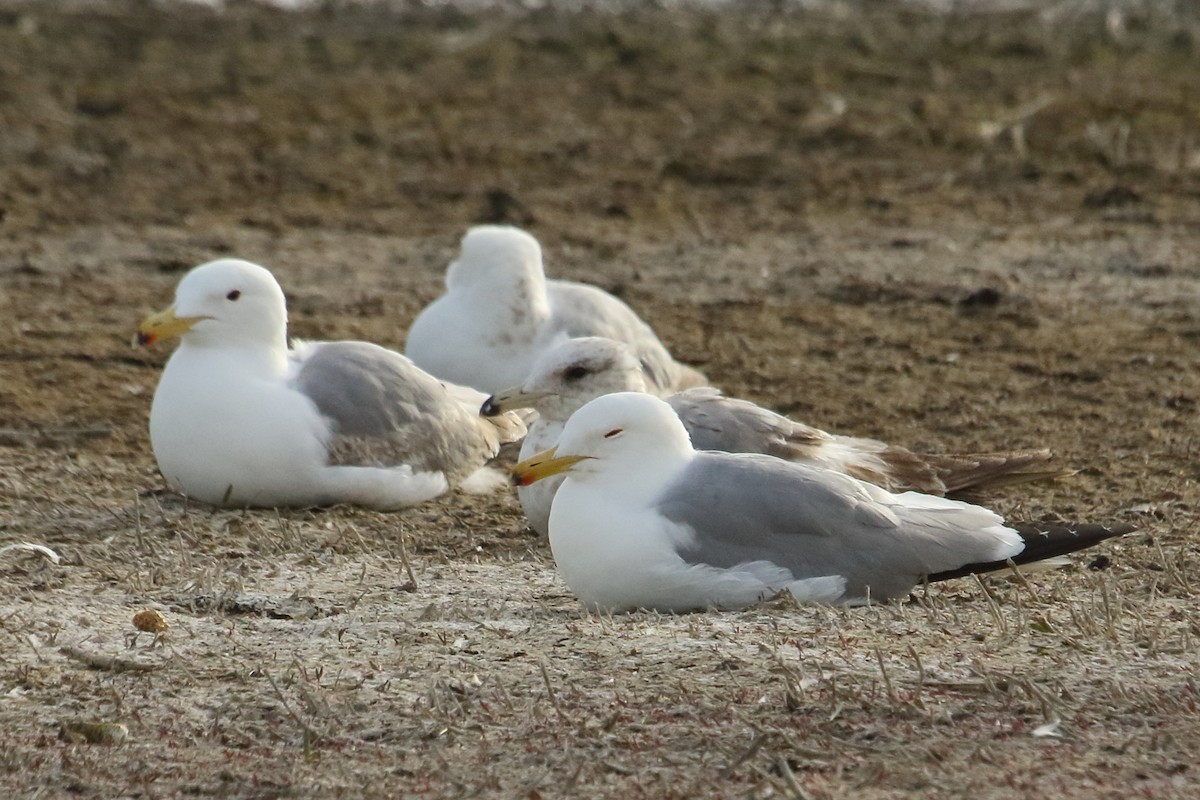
pixel 575 373
pixel 614 432
pixel 234 295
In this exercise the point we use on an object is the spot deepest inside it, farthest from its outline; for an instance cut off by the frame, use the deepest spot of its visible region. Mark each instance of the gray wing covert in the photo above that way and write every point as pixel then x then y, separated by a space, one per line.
pixel 717 422
pixel 812 521
pixel 745 507
pixel 385 411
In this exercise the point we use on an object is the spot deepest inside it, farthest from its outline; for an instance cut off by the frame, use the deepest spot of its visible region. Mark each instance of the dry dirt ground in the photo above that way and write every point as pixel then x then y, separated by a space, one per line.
pixel 954 231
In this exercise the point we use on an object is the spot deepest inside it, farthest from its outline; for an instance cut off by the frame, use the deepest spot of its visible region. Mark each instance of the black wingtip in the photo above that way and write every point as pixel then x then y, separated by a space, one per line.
pixel 1055 539
pixel 1042 541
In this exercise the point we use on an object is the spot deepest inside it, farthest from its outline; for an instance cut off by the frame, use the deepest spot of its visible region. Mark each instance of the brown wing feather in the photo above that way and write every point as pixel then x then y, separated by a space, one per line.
pixel 969 476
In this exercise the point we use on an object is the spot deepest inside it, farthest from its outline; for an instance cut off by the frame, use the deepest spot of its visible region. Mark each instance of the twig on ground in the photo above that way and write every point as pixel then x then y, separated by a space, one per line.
pixel 32 548
pixel 110 663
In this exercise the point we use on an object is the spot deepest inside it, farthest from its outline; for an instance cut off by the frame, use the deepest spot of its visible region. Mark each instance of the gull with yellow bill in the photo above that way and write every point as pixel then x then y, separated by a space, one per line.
pixel 645 521
pixel 240 419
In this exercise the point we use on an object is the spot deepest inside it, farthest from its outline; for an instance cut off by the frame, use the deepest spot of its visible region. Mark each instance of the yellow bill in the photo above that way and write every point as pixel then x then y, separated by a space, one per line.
pixel 543 465
pixel 163 325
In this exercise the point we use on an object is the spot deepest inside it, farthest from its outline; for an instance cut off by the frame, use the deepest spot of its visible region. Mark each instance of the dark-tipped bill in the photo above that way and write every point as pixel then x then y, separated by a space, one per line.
pixel 163 325
pixel 509 400
pixel 543 465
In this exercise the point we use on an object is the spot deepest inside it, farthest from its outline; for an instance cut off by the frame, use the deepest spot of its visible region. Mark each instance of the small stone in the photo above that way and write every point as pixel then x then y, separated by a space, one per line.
pixel 150 621
pixel 93 732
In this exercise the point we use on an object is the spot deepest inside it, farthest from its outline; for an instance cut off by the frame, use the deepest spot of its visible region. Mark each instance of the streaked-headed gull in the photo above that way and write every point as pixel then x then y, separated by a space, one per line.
pixel 578 370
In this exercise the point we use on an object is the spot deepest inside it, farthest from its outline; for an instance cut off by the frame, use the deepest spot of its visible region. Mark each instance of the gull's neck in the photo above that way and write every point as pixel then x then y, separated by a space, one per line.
pixel 264 359
pixel 508 299
pixel 556 409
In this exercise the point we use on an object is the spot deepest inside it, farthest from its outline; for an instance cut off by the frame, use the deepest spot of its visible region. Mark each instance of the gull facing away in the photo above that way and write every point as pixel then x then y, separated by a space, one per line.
pixel 499 313
pixel 573 372
pixel 645 521
pixel 239 419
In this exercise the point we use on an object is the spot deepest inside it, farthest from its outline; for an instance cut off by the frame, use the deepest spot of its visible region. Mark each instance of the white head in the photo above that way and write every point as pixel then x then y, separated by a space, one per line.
pixel 571 373
pixel 630 440
pixel 495 256
pixel 228 302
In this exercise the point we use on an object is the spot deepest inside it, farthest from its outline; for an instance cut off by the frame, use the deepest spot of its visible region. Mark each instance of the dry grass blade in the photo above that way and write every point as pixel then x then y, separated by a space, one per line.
pixel 558 709
pixel 311 734
pixel 408 570
pixel 993 606
pixel 759 740
pixel 920 667
pixel 887 681
pixel 789 778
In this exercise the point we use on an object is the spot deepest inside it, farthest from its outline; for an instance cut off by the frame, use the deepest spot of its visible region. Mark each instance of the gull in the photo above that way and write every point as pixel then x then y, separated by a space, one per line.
pixel 239 419
pixel 499 313
pixel 643 520
pixel 573 372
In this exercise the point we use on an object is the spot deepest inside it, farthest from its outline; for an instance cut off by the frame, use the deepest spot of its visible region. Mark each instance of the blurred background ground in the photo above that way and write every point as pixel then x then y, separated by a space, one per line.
pixel 965 228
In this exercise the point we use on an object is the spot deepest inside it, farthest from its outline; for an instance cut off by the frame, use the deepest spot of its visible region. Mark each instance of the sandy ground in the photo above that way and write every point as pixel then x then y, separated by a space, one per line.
pixel 956 232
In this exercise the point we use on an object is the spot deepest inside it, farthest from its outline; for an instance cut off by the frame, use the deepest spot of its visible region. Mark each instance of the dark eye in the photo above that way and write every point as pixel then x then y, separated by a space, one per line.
pixel 614 432
pixel 234 295
pixel 575 373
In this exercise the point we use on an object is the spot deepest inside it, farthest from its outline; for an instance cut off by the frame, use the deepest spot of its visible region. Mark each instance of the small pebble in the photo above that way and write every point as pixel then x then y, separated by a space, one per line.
pixel 150 621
